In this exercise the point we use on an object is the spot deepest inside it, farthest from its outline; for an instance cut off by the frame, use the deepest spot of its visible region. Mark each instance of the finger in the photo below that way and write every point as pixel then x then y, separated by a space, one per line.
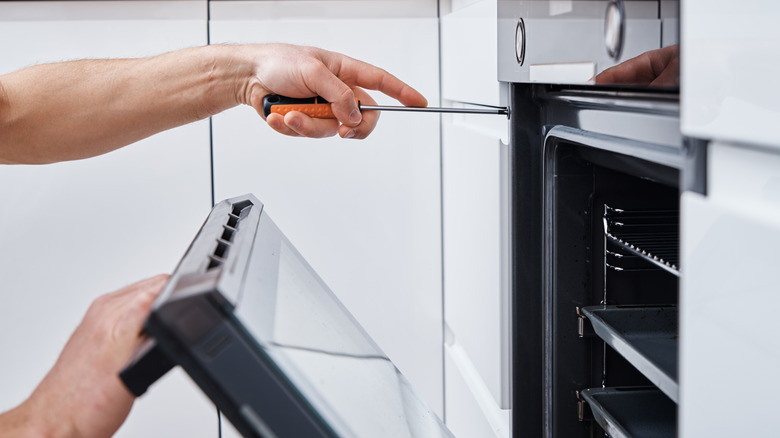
pixel 306 126
pixel 365 75
pixel 276 122
pixel 342 100
pixel 369 122
pixel 135 305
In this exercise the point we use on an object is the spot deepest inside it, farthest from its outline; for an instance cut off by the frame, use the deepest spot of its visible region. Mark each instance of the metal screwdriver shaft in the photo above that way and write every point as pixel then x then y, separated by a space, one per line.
pixel 320 108
pixel 429 109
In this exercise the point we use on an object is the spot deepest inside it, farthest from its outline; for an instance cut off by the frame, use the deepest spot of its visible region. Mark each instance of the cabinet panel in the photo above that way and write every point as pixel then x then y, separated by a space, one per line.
pixel 471 409
pixel 729 72
pixel 365 214
pixel 468 54
pixel 729 350
pixel 475 247
pixel 75 230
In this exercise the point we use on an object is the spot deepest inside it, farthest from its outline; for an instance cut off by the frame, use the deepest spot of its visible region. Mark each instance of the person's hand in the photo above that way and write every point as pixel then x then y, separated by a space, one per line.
pixel 82 395
pixel 299 72
pixel 656 68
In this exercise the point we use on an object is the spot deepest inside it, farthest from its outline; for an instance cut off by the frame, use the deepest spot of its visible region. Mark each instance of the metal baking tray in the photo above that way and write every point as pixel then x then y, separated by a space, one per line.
pixel 645 336
pixel 632 412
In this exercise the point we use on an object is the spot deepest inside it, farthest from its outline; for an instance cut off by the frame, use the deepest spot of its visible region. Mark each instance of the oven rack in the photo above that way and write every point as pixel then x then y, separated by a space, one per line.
pixel 646 336
pixel 652 235
pixel 632 412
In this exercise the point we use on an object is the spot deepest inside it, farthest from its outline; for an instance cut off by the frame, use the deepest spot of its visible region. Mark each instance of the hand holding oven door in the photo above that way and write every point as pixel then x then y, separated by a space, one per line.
pixel 270 344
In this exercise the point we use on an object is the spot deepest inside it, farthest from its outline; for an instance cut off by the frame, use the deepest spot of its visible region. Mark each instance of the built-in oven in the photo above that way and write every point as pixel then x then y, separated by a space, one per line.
pixel 598 165
pixel 597 183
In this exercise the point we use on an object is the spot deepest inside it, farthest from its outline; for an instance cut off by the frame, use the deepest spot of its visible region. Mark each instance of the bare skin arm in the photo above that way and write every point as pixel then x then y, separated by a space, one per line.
pixel 79 109
pixel 82 396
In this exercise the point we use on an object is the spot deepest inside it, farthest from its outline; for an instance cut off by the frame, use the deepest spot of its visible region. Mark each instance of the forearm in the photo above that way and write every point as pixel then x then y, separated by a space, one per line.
pixel 17 423
pixel 79 109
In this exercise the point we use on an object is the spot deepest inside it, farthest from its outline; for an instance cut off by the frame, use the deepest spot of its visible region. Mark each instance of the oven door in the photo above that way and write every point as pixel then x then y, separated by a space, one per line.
pixel 262 335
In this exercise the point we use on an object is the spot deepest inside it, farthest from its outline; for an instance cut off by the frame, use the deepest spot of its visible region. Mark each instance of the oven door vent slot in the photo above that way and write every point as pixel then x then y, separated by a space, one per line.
pixel 652 235
pixel 646 336
pixel 632 412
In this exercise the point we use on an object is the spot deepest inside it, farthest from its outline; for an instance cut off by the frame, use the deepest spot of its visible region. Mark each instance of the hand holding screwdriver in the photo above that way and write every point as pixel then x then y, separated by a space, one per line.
pixel 320 108
pixel 337 78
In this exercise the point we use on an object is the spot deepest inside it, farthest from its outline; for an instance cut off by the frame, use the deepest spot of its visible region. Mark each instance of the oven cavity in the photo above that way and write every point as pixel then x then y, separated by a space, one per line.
pixel 612 254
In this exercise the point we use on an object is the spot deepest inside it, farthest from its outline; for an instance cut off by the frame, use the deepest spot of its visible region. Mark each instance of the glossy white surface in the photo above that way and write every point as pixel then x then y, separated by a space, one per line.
pixel 477 383
pixel 73 231
pixel 729 350
pixel 468 54
pixel 365 214
pixel 729 70
pixel 471 409
pixel 475 285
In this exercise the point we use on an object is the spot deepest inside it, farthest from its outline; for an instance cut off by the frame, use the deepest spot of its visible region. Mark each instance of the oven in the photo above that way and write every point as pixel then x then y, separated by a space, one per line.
pixel 598 167
pixel 596 225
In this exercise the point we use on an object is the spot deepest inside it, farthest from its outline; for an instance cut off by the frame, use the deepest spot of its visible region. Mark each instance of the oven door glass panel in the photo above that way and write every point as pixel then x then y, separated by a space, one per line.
pixel 321 348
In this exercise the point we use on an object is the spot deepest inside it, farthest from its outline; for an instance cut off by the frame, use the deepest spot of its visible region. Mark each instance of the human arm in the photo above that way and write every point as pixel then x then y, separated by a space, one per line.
pixel 82 396
pixel 78 109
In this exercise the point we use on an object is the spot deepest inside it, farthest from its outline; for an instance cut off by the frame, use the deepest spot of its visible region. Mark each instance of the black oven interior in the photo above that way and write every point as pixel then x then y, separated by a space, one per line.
pixel 601 202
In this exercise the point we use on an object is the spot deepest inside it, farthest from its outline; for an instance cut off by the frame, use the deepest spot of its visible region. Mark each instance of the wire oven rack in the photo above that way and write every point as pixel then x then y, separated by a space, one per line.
pixel 651 235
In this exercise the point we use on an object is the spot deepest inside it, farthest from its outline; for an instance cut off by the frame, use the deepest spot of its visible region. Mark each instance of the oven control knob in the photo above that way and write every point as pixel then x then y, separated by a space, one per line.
pixel 614 28
pixel 520 41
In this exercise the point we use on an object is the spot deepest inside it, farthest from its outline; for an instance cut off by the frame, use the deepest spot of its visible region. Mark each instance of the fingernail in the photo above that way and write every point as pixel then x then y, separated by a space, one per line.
pixel 355 117
pixel 349 134
pixel 295 123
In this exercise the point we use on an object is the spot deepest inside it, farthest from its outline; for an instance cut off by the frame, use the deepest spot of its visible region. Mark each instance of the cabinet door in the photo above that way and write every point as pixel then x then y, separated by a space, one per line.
pixel 468 53
pixel 729 77
pixel 729 348
pixel 75 230
pixel 365 214
pixel 476 275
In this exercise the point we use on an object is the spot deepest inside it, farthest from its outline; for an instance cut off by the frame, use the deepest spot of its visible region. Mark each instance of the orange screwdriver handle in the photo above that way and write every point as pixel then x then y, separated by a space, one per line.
pixel 315 107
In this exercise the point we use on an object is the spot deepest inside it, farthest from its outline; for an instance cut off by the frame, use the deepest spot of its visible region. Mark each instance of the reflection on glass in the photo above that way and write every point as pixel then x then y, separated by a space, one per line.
pixel 322 350
pixel 655 68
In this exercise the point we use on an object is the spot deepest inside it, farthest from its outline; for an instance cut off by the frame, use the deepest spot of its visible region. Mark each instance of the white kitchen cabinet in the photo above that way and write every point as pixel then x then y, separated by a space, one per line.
pixel 729 70
pixel 475 223
pixel 365 214
pixel 471 409
pixel 475 217
pixel 476 276
pixel 468 53
pixel 75 230
pixel 729 351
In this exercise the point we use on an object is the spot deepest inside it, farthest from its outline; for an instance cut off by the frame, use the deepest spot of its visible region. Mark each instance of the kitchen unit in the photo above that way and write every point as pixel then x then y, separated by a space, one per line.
pixel 637 206
pixel 601 262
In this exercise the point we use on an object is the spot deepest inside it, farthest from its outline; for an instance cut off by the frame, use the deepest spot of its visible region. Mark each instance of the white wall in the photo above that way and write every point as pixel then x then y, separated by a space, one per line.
pixel 73 231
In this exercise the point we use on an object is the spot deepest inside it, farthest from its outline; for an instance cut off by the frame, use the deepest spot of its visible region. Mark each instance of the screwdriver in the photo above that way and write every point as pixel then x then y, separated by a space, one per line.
pixel 319 108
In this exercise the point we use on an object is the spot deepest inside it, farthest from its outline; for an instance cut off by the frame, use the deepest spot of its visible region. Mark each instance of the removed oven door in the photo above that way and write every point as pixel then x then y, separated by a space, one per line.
pixel 262 335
